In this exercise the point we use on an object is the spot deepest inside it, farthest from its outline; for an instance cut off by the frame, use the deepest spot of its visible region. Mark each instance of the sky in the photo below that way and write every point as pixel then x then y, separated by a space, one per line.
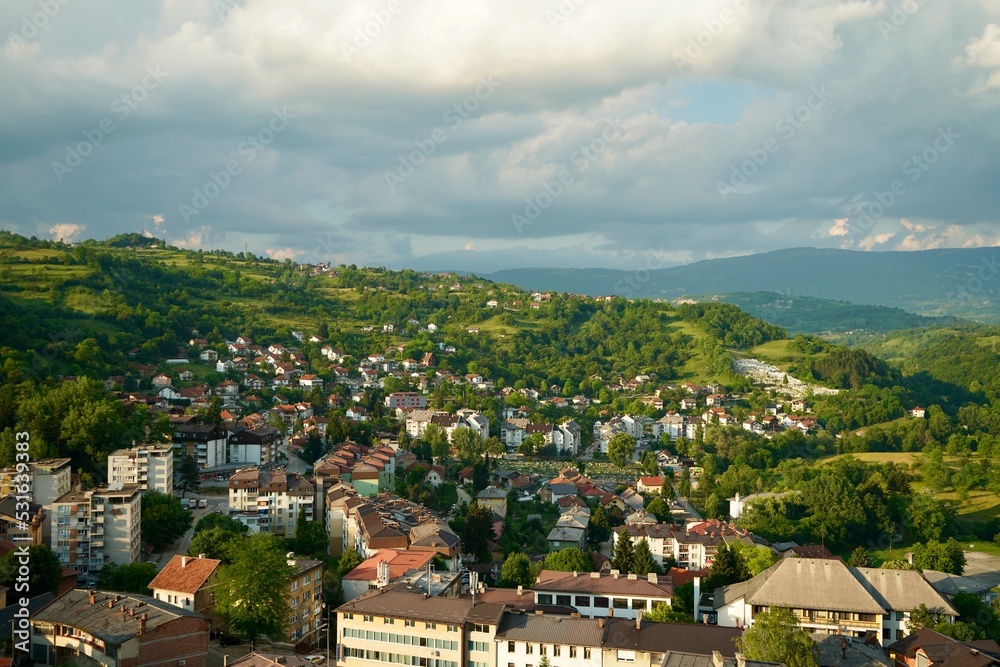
pixel 447 134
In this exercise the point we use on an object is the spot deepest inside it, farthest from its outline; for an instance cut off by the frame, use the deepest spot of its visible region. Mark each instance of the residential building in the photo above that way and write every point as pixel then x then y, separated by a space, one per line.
pixel 598 594
pixel 570 530
pixel 951 585
pixel 643 644
pixel 276 497
pixel 205 443
pixel 384 568
pixel 98 526
pixel 151 466
pixel 253 445
pixel 406 400
pixel 649 484
pixel 305 598
pixel 828 596
pixel 522 640
pixel 692 548
pixel 186 582
pixel 15 528
pixel 493 498
pixel 396 626
pixel 50 479
pixel 927 648
pixel 125 630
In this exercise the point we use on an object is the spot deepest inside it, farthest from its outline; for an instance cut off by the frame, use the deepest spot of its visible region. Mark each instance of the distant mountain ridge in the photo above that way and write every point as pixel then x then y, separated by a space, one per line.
pixel 961 282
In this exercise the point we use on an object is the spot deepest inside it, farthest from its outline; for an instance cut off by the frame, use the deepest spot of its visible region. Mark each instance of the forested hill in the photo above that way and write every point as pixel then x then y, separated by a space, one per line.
pixel 961 282
pixel 80 311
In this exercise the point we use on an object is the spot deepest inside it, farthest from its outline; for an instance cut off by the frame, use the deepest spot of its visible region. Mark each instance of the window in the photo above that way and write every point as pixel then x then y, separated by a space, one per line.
pixel 479 627
pixel 586 653
pixel 529 648
pixel 572 651
pixel 510 647
pixel 556 651
pixel 564 599
pixel 367 618
pixel 430 626
pixel 638 603
pixel 409 624
pixel 387 621
pixel 452 628
pixel 544 598
pixel 481 647
pixel 626 656
pixel 602 603
pixel 620 603
pixel 582 601
pixel 543 649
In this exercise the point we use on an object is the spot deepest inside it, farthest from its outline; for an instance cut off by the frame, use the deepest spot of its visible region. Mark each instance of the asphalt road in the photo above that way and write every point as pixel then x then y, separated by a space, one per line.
pixel 215 502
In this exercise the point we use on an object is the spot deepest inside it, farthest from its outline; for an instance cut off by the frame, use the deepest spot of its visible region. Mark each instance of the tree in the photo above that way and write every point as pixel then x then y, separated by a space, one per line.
pixel 728 567
pixel 624 554
pixel 621 449
pixel 649 464
pixel 931 518
pixel 776 637
pixel 130 578
pixel 477 532
pixel 164 520
pixel 544 662
pixel 213 543
pixel 437 438
pixel 664 613
pixel 860 558
pixel 222 521
pixel 642 559
pixel 756 558
pixel 568 560
pixel 44 570
pixel 531 446
pixel 713 506
pixel 188 480
pixel 468 443
pixel 310 537
pixel 941 556
pixel 252 594
pixel 598 530
pixel 684 489
pixel 667 488
pixel 516 571
pixel 350 560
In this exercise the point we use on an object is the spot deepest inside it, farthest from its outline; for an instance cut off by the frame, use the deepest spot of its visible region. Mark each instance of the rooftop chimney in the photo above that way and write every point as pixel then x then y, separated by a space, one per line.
pixel 614 574
pixel 600 622
pixel 184 560
pixel 520 590
pixel 201 555
pixel 638 620
pixel 575 573
pixel 652 578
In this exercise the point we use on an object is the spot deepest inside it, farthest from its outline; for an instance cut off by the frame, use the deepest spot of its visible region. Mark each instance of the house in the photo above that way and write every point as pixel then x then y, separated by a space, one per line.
pixel 632 499
pixel 927 648
pixel 310 381
pixel 465 476
pixel 357 413
pixel 559 488
pixel 160 380
pixel 169 392
pixel 185 375
pixel 185 583
pixel 738 504
pixel 435 476
pixel 917 412
pixel 117 629
pixel 649 484
pixel 406 400
pixel 821 592
pixel 951 585
pixel 495 499
pixel 570 531
pixel 208 355
pixel 688 404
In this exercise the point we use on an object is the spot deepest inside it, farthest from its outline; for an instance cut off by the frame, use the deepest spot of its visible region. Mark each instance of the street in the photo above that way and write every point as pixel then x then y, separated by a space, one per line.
pixel 215 502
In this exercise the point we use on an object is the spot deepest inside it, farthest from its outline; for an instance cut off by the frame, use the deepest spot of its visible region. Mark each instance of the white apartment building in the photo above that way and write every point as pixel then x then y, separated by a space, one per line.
pixel 150 466
pixel 596 595
pixel 275 497
pixel 523 640
pixel 91 528
pixel 50 479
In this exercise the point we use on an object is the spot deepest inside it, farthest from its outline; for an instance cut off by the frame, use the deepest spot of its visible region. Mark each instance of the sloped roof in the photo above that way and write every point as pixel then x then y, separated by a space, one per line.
pixel 185 574
pixel 903 590
pixel 550 630
pixel 400 562
pixel 803 583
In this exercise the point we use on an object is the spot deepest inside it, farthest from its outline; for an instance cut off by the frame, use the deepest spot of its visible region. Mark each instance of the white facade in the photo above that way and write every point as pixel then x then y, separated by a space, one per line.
pixel 529 654
pixel 150 466
pixel 91 528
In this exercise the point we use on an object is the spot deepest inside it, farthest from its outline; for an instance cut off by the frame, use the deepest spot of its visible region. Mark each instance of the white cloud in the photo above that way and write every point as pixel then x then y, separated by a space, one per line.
pixel 839 228
pixel 67 232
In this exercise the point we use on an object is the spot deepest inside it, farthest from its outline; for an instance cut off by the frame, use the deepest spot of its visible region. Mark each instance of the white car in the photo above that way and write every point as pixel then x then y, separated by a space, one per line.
pixel 316 659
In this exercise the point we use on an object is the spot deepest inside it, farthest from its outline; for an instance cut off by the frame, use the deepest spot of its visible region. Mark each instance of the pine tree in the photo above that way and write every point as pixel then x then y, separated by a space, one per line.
pixel 642 558
pixel 623 559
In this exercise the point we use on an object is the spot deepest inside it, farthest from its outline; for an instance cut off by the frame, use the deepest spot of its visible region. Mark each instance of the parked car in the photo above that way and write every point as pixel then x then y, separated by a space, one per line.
pixel 229 640
pixel 202 504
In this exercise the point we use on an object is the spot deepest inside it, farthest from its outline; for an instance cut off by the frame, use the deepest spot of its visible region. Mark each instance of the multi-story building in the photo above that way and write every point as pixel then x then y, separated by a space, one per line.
pixel 305 598
pixel 186 582
pixel 91 528
pixel 123 630
pixel 256 445
pixel 205 443
pixel 150 466
pixel 393 626
pixel 830 597
pixel 50 479
pixel 523 640
pixel 276 497
pixel 418 421
pixel 598 594
pixel 15 528
pixel 692 548
pixel 566 436
pixel 406 400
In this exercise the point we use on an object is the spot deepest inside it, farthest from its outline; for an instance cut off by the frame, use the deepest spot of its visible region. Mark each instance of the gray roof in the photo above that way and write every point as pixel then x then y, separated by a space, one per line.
pixel 804 583
pixel 953 584
pixel 562 489
pixel 565 534
pixel 7 613
pixel 858 653
pixel 398 604
pixel 663 637
pixel 492 492
pixel 73 608
pixel 550 630
pixel 680 659
pixel 903 590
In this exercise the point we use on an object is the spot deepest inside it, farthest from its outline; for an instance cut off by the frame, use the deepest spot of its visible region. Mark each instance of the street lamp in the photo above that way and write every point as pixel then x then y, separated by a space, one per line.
pixel 326 626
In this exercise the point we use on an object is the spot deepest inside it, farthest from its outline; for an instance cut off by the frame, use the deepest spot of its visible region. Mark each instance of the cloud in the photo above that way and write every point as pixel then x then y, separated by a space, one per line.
pixel 870 242
pixel 284 253
pixel 67 232
pixel 494 110
pixel 193 241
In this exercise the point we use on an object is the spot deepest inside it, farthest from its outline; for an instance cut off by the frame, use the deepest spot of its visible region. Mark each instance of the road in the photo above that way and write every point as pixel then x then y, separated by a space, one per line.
pixel 215 502
pixel 294 463
pixel 689 508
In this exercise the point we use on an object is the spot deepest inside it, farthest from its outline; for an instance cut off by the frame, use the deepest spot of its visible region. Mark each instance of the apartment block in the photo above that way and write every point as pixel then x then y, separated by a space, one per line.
pixel 275 497
pixel 397 627
pixel 94 627
pixel 205 443
pixel 306 599
pixel 91 528
pixel 406 400
pixel 150 466
pixel 254 445
pixel 50 479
